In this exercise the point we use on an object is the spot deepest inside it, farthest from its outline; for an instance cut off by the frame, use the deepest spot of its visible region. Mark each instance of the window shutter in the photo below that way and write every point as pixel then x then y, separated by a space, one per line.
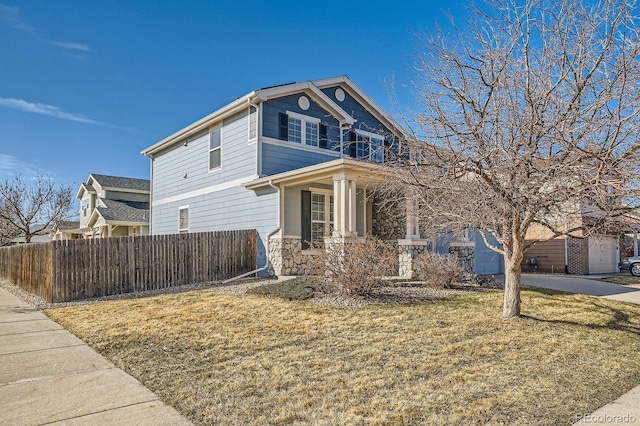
pixel 284 126
pixel 353 146
pixel 323 136
pixel 305 220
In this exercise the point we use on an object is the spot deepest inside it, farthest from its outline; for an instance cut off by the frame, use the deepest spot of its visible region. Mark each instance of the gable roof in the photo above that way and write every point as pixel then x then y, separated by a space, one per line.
pixel 118 182
pixel 312 88
pixel 122 211
pixel 114 183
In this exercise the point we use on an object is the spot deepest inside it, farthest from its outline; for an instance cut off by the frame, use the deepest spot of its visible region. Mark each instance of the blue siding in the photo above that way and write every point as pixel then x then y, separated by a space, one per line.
pixel 364 119
pixel 272 108
pixel 487 261
pixel 234 208
pixel 238 160
pixel 278 159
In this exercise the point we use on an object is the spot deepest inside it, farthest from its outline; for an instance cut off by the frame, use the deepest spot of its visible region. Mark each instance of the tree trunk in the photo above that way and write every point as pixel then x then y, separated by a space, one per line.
pixel 512 283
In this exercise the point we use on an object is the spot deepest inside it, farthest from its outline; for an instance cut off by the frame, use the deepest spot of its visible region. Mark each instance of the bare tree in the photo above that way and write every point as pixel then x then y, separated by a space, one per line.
pixel 530 119
pixel 28 208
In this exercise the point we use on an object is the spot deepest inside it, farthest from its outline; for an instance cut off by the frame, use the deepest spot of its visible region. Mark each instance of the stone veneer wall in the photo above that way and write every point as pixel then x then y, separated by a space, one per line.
pixel 466 254
pixel 286 257
pixel 578 255
pixel 407 253
pixel 388 220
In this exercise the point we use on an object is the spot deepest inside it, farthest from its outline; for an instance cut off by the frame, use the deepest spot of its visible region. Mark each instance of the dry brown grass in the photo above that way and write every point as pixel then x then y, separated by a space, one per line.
pixel 624 280
pixel 226 359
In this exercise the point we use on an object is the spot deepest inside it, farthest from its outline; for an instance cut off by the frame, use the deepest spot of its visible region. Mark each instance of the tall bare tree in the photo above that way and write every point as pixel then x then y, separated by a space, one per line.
pixel 29 207
pixel 530 118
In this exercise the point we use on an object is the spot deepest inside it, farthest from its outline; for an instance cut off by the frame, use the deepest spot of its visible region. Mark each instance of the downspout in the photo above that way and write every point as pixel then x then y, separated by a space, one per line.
pixel 269 235
pixel 150 197
pixel 566 249
pixel 258 134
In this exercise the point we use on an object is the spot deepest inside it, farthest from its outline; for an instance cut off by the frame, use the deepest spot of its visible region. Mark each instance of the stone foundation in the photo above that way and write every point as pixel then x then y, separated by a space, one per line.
pixel 388 221
pixel 287 258
pixel 408 251
pixel 465 252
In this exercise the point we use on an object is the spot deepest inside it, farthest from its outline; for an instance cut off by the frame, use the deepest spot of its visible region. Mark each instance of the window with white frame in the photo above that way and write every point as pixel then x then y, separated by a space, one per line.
pixel 369 146
pixel 215 149
pixel 183 219
pixel 253 123
pixel 303 129
pixel 321 216
pixel 85 206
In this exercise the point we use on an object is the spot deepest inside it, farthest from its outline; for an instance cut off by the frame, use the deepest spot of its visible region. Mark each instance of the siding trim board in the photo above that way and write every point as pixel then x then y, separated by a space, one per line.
pixel 204 191
pixel 295 145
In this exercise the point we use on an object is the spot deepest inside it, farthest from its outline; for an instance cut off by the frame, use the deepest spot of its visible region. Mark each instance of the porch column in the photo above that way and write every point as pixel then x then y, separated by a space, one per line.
pixel 413 228
pixel 344 205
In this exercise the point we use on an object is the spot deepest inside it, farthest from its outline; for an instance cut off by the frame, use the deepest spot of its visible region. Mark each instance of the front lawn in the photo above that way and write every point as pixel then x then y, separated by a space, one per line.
pixel 624 280
pixel 228 359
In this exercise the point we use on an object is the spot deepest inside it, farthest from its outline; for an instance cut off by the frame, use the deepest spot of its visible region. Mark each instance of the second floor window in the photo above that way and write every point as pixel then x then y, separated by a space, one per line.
pixel 367 146
pixel 302 129
pixel 215 150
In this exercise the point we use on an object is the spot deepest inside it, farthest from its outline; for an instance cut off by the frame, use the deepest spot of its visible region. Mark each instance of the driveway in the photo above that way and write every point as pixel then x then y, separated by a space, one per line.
pixel 582 285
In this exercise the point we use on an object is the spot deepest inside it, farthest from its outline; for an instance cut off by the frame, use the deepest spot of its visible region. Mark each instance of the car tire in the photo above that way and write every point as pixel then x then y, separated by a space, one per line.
pixel 635 269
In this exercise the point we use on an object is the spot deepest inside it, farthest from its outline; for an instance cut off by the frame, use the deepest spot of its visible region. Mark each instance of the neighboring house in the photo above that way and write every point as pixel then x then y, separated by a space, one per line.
pixel 111 206
pixel 42 235
pixel 296 162
pixel 576 254
pixel 65 230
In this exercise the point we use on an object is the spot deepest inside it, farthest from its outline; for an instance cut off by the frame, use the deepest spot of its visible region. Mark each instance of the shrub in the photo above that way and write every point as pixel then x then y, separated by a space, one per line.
pixel 299 288
pixel 356 267
pixel 438 270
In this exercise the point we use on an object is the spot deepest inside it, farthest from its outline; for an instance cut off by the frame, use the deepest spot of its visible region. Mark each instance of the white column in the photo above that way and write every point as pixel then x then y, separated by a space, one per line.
pixel 344 199
pixel 352 207
pixel 413 228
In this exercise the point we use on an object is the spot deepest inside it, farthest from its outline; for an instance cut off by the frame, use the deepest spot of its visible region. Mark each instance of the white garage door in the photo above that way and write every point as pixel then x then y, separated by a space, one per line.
pixel 603 257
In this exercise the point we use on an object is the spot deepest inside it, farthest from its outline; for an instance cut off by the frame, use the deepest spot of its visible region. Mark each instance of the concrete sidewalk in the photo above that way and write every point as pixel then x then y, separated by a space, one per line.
pixel 48 376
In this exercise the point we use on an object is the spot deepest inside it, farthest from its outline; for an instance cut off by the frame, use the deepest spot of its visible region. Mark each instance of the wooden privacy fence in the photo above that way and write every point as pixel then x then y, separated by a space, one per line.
pixel 63 271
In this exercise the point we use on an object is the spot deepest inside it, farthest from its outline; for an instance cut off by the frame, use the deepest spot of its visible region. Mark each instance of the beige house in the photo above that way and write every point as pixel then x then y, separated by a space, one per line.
pixel 111 206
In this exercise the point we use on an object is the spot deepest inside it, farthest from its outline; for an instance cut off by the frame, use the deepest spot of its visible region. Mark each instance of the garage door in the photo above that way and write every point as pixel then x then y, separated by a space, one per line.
pixel 603 255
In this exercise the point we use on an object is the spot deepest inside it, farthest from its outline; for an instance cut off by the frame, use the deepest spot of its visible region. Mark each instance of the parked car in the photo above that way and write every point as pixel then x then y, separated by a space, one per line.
pixel 632 265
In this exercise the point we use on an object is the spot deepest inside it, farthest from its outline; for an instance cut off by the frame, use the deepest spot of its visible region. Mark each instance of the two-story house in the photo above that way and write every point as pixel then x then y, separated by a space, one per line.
pixel 296 162
pixel 111 206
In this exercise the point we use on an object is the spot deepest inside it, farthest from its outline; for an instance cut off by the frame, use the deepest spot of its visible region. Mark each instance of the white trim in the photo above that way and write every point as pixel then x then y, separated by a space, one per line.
pixel 302 147
pixel 370 105
pixel 226 111
pixel 321 190
pixel 303 117
pixel 203 191
pixel 369 134
pixel 249 138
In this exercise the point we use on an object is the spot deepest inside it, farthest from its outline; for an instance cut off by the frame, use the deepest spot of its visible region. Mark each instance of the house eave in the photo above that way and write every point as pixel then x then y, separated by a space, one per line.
pixel 365 100
pixel 313 91
pixel 374 173
pixel 201 124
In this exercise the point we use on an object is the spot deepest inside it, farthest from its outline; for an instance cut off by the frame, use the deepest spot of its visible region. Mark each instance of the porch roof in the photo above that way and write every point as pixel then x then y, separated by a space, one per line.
pixel 362 170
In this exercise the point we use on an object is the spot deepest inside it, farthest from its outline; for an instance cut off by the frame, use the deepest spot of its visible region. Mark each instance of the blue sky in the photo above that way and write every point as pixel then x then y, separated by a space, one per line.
pixel 86 85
